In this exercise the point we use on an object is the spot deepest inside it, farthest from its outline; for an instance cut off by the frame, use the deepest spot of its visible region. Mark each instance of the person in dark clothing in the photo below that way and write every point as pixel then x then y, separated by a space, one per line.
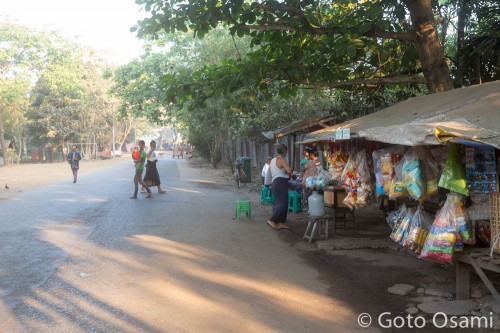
pixel 73 159
pixel 279 171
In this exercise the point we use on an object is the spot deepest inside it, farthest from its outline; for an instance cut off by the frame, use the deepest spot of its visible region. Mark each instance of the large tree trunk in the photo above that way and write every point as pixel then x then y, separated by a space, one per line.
pixel 6 157
pixel 429 47
pixel 463 13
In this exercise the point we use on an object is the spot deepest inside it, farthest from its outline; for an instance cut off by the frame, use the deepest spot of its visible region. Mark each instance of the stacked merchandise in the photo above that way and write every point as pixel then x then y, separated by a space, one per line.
pixel 384 162
pixel 337 161
pixel 449 231
pixel 356 178
pixel 409 227
pixel 412 177
pixel 480 170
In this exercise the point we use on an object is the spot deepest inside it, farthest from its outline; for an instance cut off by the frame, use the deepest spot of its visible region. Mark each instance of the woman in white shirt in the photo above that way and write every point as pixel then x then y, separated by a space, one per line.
pixel 152 177
pixel 280 172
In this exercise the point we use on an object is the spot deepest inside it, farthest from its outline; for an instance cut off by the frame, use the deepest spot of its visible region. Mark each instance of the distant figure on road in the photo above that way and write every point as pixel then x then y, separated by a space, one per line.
pixel 152 177
pixel 139 169
pixel 73 159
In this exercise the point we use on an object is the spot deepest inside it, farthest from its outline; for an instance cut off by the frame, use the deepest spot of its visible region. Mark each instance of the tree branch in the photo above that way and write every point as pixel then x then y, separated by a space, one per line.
pixel 406 36
pixel 375 81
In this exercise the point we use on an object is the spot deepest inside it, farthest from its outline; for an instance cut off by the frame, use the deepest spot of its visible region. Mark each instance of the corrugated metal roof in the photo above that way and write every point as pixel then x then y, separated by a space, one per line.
pixel 471 113
pixel 300 126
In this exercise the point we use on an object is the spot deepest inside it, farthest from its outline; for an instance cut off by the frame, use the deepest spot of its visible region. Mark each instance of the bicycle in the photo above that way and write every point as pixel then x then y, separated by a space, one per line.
pixel 240 176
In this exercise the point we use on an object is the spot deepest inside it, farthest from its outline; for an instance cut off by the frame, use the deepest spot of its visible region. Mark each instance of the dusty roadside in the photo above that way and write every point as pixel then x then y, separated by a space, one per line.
pixel 358 268
pixel 361 268
pixel 19 178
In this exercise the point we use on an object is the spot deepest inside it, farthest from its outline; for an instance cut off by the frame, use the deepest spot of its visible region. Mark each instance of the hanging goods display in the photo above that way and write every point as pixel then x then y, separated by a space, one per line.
pixel 337 161
pixel 480 167
pixel 397 189
pixel 420 225
pixel 448 232
pixel 383 165
pixel 356 178
pixel 413 175
pixel 453 175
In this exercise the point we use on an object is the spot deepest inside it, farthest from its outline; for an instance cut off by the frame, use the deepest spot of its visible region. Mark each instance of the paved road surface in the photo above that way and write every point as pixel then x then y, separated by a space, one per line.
pixel 85 258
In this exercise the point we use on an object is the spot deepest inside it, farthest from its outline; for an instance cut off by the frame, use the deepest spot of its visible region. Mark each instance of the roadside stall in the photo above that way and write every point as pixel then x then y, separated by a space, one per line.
pixel 434 160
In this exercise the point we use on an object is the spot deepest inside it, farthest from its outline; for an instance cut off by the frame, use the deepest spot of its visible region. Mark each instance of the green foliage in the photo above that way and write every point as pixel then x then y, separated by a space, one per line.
pixel 294 43
pixel 51 89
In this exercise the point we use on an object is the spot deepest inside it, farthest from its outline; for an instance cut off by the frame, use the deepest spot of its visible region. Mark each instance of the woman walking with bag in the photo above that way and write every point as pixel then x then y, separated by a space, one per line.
pixel 152 177
pixel 279 172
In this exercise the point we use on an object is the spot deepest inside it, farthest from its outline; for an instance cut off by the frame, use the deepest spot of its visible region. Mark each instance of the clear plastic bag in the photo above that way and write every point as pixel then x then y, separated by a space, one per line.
pixel 396 216
pixel 413 174
pixel 401 228
pixel 449 231
pixel 431 168
pixel 421 223
pixel 337 160
pixel 349 175
pixel 397 188
pixel 383 165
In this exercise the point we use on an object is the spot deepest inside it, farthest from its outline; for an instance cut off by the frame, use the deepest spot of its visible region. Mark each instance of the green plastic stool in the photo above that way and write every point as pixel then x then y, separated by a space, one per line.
pixel 294 200
pixel 243 206
pixel 266 195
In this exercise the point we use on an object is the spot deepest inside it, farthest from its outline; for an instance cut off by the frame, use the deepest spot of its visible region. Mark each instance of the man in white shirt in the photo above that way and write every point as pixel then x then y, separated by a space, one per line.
pixel 264 169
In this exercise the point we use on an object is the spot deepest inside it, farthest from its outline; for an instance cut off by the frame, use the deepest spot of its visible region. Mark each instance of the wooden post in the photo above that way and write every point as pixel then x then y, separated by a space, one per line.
pixel 462 280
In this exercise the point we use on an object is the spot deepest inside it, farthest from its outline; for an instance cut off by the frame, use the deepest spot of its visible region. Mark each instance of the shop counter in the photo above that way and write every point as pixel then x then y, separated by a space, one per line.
pixel 479 259
pixel 334 196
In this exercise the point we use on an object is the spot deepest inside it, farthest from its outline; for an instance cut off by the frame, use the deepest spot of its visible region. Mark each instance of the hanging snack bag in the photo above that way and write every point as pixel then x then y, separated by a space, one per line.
pixel 431 172
pixel 363 194
pixel 337 161
pixel 420 226
pixel 464 228
pixel 413 175
pixel 397 189
pixel 349 176
pixel 400 229
pixel 383 164
pixel 443 235
pixel 453 175
pixel 396 216
pixel 377 169
pixel 350 199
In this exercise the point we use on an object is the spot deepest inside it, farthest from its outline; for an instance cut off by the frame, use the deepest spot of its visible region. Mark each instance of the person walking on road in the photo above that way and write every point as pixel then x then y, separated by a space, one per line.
pixel 152 177
pixel 279 171
pixel 139 169
pixel 73 159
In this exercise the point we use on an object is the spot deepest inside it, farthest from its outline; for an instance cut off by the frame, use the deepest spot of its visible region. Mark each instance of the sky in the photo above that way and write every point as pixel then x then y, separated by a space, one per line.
pixel 101 24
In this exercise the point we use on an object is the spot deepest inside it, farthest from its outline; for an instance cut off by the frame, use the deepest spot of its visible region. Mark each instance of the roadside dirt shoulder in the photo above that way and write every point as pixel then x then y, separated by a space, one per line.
pixel 19 178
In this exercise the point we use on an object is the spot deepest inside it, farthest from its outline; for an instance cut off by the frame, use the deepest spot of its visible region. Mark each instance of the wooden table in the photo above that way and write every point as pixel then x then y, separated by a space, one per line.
pixel 479 259
pixel 334 196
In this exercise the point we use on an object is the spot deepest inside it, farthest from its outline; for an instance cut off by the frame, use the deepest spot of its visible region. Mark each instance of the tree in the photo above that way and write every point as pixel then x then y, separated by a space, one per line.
pixel 57 97
pixel 20 57
pixel 312 43
pixel 470 32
